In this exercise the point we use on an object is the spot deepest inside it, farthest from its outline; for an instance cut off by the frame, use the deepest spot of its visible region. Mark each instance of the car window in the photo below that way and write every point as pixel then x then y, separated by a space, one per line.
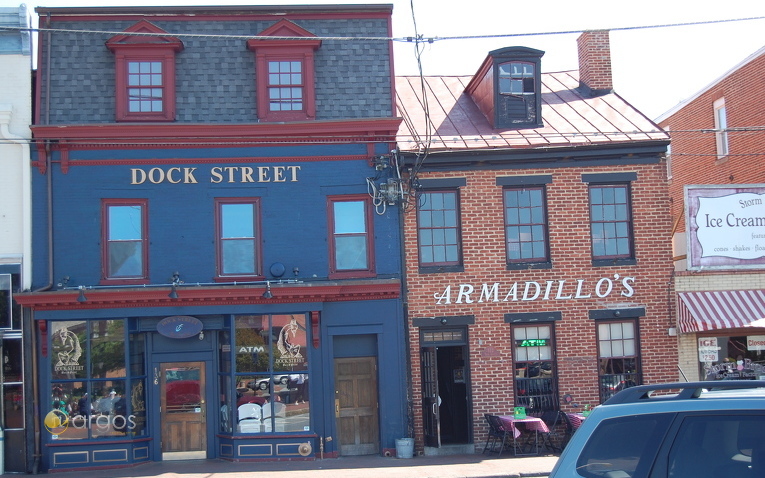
pixel 623 447
pixel 711 446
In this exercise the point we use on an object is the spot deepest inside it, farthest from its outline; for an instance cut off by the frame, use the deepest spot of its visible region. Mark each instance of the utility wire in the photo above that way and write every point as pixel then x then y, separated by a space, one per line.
pixel 409 39
pixel 213 140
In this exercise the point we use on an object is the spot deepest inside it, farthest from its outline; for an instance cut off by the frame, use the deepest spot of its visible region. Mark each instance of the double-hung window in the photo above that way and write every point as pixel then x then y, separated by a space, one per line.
pixel 145 87
pixel 238 226
pixel 721 126
pixel 438 228
pixel 535 377
pixel 351 238
pixel 144 73
pixel 611 218
pixel 525 220
pixel 284 72
pixel 285 86
pixel 617 356
pixel 526 225
pixel 125 239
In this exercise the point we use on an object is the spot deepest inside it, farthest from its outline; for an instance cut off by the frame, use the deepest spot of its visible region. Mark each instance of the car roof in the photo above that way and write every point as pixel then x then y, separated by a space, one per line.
pixel 689 390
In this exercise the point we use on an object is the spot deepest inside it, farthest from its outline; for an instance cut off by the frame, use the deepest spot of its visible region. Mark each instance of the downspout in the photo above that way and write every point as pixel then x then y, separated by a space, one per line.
pixel 32 332
pixel 405 307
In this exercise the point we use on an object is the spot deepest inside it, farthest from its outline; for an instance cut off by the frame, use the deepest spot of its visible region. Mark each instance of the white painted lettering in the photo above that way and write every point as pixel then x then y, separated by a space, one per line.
pixel 560 295
pixel 537 290
pixel 170 177
pixel 579 295
pixel 139 176
pixel 487 294
pixel 465 291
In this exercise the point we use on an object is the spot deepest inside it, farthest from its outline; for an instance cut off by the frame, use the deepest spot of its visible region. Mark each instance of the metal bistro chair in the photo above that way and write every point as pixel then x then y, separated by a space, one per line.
pixel 552 438
pixel 569 431
pixel 497 434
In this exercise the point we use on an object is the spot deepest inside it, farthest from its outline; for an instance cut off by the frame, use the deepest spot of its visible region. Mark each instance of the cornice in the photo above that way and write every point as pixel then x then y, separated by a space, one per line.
pixel 293 132
pixel 192 295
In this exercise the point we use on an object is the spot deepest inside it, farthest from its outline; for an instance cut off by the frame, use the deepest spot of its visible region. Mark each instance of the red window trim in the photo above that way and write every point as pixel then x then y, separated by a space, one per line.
pixel 368 218
pixel 219 275
pixel 127 48
pixel 105 205
pixel 285 50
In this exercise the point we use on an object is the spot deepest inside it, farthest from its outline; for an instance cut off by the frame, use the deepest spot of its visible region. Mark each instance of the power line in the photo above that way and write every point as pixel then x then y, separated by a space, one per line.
pixel 417 38
pixel 308 139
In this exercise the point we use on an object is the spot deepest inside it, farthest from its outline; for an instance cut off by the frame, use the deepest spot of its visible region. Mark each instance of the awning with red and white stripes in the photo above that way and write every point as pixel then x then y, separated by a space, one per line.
pixel 721 309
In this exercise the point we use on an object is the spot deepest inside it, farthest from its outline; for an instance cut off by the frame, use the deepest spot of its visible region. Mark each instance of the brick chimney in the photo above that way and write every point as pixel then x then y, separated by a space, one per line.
pixel 595 62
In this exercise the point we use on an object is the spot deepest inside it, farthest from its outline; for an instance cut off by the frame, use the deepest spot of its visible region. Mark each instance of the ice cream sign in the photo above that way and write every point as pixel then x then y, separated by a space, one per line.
pixel 726 226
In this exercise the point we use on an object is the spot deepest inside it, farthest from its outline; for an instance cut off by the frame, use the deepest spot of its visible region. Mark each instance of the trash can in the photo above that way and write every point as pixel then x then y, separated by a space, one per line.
pixel 405 447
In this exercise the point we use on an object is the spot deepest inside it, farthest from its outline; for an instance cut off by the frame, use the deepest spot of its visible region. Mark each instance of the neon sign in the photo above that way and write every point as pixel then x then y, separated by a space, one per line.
pixel 531 342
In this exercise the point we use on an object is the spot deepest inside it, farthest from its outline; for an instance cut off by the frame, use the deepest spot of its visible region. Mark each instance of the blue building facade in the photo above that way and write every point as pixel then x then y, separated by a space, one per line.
pixel 215 272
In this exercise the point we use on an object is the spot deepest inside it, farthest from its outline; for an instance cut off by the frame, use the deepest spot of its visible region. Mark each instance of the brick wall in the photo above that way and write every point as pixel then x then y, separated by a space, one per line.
pixel 490 348
pixel 694 150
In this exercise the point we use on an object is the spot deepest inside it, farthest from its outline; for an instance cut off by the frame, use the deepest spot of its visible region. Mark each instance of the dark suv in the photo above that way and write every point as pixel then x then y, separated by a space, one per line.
pixel 677 430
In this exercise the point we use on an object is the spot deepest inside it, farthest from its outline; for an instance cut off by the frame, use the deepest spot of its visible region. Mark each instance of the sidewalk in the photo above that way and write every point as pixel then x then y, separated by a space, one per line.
pixel 448 466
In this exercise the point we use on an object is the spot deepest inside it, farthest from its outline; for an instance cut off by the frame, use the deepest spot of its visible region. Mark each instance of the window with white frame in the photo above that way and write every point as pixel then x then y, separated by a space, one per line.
pixel 721 126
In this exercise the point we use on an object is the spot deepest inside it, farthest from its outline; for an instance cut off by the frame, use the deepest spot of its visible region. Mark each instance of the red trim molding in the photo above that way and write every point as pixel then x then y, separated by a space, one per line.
pixel 299 132
pixel 191 295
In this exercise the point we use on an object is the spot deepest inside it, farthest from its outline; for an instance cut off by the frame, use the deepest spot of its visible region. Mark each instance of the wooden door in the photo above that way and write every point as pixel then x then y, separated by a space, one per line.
pixel 184 410
pixel 356 405
pixel 430 412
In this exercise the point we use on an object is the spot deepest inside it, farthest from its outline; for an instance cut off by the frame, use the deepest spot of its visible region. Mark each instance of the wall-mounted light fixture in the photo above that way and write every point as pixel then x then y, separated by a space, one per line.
pixel 174 286
pixel 81 298
pixel 267 294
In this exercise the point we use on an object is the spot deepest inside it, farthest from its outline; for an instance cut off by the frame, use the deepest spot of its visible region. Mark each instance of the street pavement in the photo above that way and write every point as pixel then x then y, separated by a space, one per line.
pixel 443 466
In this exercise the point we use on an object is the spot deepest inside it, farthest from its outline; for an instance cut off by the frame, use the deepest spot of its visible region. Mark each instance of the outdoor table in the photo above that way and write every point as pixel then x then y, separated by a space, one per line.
pixel 576 419
pixel 528 424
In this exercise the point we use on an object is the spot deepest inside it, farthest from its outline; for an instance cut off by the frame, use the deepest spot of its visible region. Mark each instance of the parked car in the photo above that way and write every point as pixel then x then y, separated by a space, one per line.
pixel 678 430
pixel 262 383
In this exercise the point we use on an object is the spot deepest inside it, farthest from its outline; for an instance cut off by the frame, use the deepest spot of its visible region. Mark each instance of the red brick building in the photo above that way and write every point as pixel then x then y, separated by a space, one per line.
pixel 538 267
pixel 717 182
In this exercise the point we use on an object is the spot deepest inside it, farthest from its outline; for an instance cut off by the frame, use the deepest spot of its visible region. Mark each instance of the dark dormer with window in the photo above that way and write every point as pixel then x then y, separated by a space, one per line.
pixel 507 88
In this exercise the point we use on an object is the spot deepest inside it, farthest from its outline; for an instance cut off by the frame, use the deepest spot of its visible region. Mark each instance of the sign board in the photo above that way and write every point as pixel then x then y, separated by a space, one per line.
pixel 709 351
pixel 179 326
pixel 755 342
pixel 725 226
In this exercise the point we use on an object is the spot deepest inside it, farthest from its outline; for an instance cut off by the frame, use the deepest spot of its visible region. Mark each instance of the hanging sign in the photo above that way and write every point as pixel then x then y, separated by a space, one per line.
pixel 179 326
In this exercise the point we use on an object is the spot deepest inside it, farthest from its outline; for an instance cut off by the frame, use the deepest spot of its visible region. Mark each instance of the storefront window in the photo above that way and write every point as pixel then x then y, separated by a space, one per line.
pixel 618 357
pixel 534 375
pixel 90 397
pixel 271 373
pixel 732 358
pixel 12 388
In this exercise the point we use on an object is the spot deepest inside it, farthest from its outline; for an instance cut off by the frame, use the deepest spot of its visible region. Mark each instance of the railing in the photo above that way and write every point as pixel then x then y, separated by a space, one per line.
pixel 536 394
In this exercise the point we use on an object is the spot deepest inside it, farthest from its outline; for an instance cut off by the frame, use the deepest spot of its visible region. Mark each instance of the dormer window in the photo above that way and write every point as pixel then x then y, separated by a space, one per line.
pixel 144 73
pixel 507 88
pixel 285 86
pixel 516 78
pixel 284 72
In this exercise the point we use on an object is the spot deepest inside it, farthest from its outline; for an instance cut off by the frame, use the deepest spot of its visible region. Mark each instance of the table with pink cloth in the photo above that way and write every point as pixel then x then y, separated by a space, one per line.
pixel 576 419
pixel 530 424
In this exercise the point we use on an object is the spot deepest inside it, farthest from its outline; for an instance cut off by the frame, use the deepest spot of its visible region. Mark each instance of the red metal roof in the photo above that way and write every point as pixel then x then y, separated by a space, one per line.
pixel 570 119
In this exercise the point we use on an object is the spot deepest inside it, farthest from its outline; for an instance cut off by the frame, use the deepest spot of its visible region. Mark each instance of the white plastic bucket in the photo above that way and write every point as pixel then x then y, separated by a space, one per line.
pixel 405 447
